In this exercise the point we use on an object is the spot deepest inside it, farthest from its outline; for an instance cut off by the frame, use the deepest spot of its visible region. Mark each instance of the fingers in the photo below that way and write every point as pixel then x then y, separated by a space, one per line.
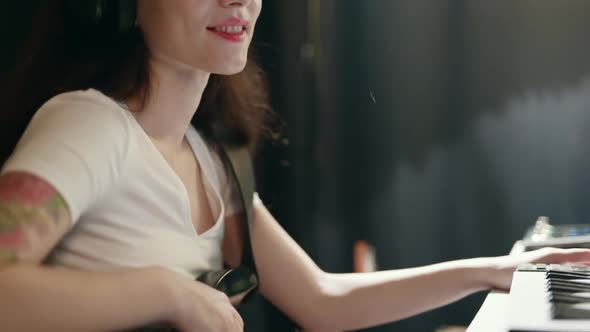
pixel 238 321
pixel 576 254
pixel 577 251
pixel 586 263
pixel 560 256
pixel 234 320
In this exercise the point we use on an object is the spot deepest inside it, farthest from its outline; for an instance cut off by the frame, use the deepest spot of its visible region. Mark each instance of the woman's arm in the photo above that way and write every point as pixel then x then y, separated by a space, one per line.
pixel 320 301
pixel 360 300
pixel 33 217
pixel 392 295
pixel 38 298
pixel 288 277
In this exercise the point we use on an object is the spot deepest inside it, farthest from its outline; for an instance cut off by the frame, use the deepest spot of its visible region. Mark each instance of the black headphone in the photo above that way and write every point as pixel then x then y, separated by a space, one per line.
pixel 118 16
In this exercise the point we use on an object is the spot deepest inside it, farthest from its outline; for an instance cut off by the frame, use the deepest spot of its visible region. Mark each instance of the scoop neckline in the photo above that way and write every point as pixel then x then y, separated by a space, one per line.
pixel 194 139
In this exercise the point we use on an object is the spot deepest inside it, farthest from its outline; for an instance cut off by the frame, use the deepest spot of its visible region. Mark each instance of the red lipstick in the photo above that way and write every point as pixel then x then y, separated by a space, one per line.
pixel 233 29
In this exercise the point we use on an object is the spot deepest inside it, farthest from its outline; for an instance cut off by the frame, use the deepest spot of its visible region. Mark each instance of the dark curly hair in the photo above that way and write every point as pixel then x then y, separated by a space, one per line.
pixel 63 55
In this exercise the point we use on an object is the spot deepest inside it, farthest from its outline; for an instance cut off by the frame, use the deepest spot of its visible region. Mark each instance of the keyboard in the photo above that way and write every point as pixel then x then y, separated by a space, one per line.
pixel 550 298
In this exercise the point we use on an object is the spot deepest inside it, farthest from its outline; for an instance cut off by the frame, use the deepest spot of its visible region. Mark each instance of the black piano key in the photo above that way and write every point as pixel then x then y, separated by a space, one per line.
pixel 572 282
pixel 570 311
pixel 567 275
pixel 567 297
pixel 581 282
pixel 566 288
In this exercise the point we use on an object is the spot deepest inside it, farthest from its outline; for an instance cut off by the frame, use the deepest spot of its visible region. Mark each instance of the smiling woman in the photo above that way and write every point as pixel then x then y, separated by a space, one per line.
pixel 233 29
pixel 112 88
pixel 113 55
pixel 116 198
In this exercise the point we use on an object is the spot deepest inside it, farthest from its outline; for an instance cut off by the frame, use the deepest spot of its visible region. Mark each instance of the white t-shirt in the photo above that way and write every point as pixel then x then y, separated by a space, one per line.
pixel 128 206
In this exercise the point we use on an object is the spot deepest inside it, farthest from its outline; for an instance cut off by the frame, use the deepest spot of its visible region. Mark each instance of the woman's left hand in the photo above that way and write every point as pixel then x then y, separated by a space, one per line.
pixel 504 266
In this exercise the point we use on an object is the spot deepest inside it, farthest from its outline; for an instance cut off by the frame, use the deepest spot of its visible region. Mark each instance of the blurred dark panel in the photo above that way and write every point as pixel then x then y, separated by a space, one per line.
pixel 441 131
pixel 14 26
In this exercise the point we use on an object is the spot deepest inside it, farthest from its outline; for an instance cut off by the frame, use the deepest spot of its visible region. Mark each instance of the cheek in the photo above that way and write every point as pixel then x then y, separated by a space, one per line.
pixel 256 8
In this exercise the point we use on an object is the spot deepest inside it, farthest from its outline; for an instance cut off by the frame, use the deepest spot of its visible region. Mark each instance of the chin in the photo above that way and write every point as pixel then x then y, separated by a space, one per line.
pixel 229 69
pixel 228 65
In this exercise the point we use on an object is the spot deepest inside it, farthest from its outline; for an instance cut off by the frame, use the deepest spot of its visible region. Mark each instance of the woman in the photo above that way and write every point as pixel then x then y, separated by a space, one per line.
pixel 113 188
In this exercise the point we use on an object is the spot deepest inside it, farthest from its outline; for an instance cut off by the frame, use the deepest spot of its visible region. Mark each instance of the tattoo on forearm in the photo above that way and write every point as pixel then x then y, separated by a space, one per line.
pixel 7 256
pixel 30 209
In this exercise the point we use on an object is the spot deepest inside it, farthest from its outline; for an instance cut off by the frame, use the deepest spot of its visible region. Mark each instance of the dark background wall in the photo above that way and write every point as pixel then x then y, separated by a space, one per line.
pixel 436 130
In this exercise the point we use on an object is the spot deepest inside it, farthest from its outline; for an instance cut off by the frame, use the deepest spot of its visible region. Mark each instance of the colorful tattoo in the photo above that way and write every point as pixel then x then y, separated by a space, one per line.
pixel 16 239
pixel 8 256
pixel 25 188
pixel 30 209
pixel 56 207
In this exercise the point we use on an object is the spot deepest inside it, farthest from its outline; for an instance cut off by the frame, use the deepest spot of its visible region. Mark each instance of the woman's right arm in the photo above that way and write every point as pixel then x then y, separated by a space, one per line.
pixel 73 151
pixel 33 218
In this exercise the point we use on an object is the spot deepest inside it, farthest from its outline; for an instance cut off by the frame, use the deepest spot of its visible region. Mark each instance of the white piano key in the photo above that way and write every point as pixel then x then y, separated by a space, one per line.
pixel 530 309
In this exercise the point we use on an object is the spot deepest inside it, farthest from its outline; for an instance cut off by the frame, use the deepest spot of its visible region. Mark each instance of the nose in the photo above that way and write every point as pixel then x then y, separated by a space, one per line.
pixel 234 3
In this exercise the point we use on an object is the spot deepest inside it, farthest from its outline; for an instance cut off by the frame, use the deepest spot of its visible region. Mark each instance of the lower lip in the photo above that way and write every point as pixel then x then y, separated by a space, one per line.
pixel 233 37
